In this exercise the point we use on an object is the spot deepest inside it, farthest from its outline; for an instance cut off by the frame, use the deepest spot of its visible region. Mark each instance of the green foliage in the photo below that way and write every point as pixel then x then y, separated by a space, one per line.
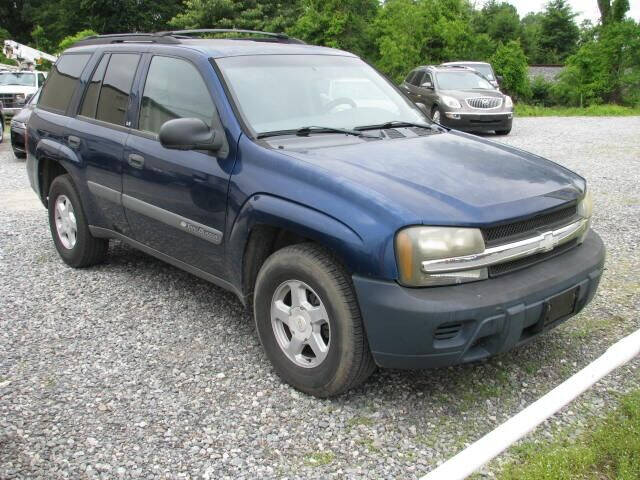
pixel 4 35
pixel 40 40
pixel 499 20
pixel 609 450
pixel 411 33
pixel 541 92
pixel 511 62
pixel 606 69
pixel 607 110
pixel 612 11
pixel 67 42
pixel 339 24
pixel 559 33
pixel 265 15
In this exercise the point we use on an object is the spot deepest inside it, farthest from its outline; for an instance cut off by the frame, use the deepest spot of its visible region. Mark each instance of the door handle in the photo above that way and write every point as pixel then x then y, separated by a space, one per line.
pixel 136 161
pixel 73 141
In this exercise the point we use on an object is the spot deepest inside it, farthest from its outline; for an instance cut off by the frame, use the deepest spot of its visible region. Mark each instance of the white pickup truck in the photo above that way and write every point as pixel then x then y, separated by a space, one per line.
pixel 17 87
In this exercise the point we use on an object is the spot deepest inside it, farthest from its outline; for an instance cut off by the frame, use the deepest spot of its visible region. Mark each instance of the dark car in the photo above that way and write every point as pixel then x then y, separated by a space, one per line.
pixel 460 98
pixel 303 181
pixel 19 127
pixel 2 120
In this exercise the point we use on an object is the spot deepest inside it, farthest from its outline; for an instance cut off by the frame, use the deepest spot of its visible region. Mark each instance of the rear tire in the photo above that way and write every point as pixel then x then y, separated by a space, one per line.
pixel 69 227
pixel 309 323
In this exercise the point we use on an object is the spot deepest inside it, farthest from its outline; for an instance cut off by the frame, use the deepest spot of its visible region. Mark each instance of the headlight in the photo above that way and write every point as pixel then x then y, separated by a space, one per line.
pixel 414 245
pixel 585 207
pixel 508 103
pixel 16 124
pixel 450 102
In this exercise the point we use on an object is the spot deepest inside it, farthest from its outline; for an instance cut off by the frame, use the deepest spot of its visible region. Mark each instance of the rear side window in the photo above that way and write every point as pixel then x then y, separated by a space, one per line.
pixel 116 88
pixel 174 89
pixel 62 81
pixel 90 102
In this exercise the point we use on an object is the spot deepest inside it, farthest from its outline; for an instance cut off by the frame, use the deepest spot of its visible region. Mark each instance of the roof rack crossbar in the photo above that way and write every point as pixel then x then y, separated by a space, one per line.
pixel 125 38
pixel 280 37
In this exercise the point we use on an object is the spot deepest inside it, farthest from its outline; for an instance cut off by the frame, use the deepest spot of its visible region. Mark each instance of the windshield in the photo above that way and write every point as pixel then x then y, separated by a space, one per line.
pixel 287 92
pixel 483 68
pixel 462 81
pixel 22 79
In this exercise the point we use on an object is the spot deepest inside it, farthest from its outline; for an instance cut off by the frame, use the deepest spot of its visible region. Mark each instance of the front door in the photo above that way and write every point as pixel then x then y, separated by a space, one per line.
pixel 176 201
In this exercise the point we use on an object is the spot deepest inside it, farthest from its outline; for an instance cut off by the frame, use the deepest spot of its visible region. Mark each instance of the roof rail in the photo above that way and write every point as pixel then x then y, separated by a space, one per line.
pixel 125 38
pixel 271 37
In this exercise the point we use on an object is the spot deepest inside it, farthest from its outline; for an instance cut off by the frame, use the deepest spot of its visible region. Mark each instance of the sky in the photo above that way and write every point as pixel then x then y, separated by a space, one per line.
pixel 584 8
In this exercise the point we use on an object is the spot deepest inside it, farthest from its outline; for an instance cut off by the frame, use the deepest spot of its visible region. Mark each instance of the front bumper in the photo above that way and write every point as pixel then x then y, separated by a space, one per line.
pixel 477 122
pixel 17 139
pixel 10 112
pixel 413 327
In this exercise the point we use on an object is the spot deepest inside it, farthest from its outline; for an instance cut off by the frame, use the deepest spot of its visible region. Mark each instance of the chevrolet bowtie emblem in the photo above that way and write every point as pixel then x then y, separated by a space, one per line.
pixel 548 242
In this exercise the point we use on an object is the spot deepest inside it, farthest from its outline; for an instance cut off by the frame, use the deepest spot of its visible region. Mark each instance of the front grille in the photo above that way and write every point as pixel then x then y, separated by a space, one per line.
pixel 484 102
pixel 9 100
pixel 509 267
pixel 505 232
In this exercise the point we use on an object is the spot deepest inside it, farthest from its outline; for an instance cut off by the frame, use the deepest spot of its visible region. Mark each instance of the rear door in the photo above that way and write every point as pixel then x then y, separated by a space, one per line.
pixel 176 201
pixel 99 131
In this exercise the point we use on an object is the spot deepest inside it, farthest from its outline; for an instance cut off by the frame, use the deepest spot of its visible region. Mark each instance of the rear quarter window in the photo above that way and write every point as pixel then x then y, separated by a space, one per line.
pixel 62 82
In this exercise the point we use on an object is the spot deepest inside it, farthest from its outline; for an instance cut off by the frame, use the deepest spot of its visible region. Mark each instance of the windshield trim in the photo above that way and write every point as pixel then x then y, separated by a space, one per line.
pixel 244 124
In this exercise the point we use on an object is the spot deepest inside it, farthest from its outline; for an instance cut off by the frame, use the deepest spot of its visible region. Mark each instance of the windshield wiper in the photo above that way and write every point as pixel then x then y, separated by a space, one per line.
pixel 394 124
pixel 306 131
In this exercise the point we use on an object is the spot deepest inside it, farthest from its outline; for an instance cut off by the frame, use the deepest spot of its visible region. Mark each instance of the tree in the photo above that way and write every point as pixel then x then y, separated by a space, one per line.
pixel 531 30
pixel 499 20
pixel 338 23
pixel 606 69
pixel 409 33
pixel 511 62
pixel 270 16
pixel 559 33
pixel 612 10
pixel 68 41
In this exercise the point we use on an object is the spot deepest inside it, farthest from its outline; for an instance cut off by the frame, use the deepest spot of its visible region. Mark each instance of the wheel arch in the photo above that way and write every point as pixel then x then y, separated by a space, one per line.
pixel 267 223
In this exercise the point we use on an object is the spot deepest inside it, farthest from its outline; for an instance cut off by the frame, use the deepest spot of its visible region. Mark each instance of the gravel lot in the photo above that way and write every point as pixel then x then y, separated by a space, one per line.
pixel 134 369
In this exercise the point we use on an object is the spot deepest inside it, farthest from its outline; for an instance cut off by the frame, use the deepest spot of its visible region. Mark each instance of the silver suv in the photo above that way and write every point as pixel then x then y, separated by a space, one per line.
pixel 460 98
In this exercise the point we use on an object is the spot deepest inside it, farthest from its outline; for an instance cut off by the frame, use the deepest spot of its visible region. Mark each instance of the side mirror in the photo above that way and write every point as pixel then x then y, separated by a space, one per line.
pixel 189 134
pixel 499 78
pixel 428 85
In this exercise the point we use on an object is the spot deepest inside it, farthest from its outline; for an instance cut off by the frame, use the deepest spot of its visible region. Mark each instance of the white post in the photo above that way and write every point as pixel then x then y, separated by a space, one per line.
pixel 479 453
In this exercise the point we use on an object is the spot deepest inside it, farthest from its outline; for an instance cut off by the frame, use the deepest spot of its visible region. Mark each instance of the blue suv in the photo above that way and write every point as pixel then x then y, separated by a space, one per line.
pixel 298 177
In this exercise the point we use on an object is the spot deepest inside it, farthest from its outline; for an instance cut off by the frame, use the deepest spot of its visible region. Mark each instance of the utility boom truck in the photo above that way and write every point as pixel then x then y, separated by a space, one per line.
pixel 17 86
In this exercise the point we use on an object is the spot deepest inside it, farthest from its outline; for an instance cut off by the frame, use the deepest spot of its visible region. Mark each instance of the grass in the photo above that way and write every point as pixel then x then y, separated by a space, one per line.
pixel 319 459
pixel 611 449
pixel 524 110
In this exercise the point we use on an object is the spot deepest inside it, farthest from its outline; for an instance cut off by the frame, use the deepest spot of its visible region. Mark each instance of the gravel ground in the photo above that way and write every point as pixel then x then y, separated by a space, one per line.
pixel 134 369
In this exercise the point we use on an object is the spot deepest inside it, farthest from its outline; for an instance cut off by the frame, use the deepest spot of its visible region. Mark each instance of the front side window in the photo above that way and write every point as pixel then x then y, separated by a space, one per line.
pixel 17 78
pixel 62 81
pixel 462 80
pixel 286 92
pixel 41 79
pixel 174 89
pixel 113 100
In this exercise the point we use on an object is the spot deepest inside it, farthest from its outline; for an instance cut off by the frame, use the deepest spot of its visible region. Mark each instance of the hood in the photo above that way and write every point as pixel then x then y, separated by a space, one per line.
pixel 446 178
pixel 18 89
pixel 462 94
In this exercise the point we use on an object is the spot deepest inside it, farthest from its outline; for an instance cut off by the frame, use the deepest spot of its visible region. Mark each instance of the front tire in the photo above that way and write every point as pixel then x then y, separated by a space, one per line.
pixel 503 132
pixel 69 227
pixel 309 323
pixel 435 114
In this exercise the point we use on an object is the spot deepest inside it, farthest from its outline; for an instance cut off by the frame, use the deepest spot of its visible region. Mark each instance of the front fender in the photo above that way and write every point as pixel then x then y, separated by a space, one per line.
pixel 265 209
